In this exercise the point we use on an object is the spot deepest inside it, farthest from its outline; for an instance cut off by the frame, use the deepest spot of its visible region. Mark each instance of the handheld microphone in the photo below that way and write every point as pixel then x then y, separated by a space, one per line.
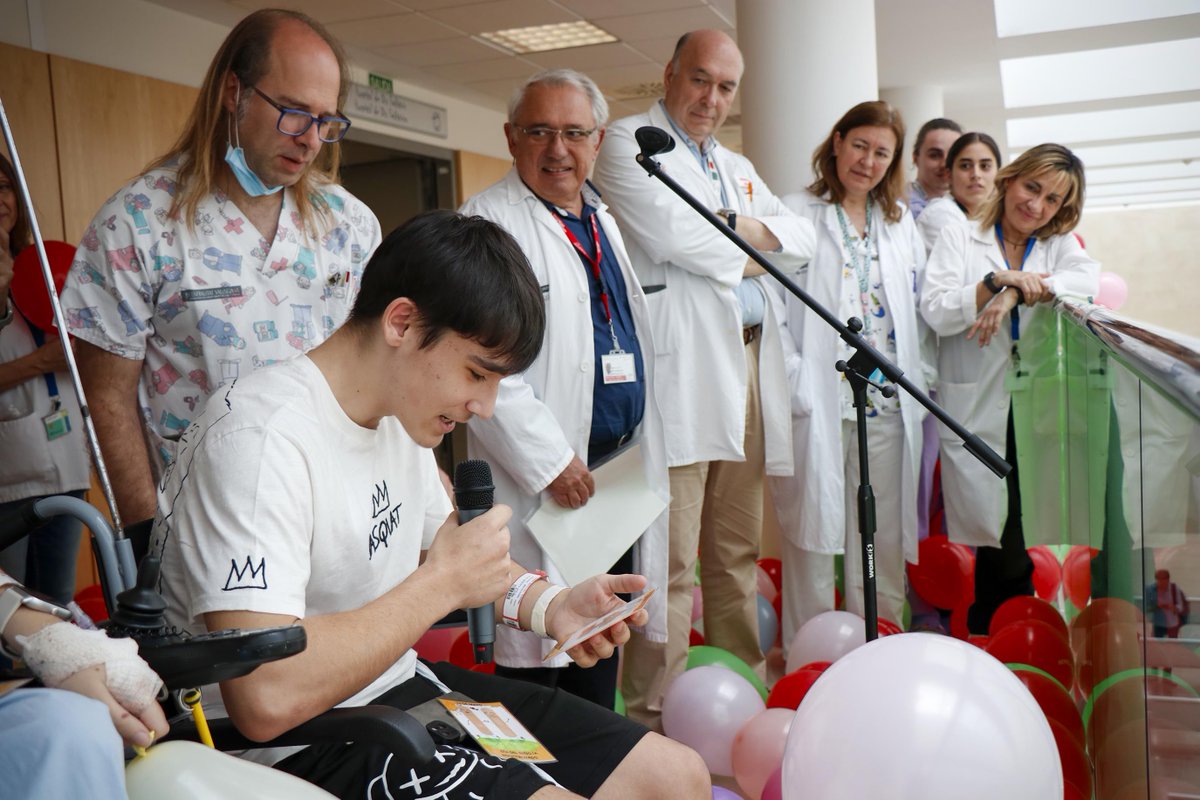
pixel 653 141
pixel 474 494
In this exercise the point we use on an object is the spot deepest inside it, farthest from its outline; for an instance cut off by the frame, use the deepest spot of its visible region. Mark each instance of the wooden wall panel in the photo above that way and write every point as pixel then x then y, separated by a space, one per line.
pixel 110 124
pixel 28 102
pixel 474 173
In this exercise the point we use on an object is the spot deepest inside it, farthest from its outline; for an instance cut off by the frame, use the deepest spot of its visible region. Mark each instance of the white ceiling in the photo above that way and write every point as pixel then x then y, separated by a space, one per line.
pixel 1075 71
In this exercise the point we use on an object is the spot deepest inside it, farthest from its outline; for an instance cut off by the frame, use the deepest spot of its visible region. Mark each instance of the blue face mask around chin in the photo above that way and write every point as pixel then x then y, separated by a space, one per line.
pixel 251 184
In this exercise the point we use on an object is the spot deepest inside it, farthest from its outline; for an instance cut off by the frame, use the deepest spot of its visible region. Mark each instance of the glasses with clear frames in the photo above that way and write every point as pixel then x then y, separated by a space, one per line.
pixel 295 122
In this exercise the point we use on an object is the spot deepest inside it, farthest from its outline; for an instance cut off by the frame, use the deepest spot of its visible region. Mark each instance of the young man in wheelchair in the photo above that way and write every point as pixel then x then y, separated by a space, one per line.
pixel 307 493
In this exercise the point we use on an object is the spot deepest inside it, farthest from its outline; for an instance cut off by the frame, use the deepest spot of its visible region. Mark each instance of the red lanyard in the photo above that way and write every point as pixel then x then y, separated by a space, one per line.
pixel 595 262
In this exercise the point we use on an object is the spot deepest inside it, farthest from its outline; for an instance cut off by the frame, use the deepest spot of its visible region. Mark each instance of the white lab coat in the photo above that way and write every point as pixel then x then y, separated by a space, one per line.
pixel 690 271
pixel 941 212
pixel 970 378
pixel 543 416
pixel 811 504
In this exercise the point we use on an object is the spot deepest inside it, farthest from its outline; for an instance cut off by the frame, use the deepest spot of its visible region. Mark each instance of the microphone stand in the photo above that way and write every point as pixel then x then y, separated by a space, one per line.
pixel 860 370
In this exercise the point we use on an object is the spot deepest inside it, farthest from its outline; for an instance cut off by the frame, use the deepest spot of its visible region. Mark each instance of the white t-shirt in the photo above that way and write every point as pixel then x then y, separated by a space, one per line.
pixel 203 304
pixel 279 503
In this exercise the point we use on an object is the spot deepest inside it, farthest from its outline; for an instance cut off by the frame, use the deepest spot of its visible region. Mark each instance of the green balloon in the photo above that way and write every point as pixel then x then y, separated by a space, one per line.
pixel 703 655
pixel 619 703
pixel 906 616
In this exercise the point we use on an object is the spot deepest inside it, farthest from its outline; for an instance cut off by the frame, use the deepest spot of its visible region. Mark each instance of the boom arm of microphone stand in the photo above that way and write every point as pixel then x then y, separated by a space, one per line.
pixel 872 357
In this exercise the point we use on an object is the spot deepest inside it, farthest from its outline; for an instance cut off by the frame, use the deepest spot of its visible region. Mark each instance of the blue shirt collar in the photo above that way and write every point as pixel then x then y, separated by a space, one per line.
pixel 710 143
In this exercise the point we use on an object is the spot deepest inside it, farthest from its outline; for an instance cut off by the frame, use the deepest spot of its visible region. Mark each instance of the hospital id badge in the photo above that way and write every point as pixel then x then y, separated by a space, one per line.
pixel 497 731
pixel 618 367
pixel 57 424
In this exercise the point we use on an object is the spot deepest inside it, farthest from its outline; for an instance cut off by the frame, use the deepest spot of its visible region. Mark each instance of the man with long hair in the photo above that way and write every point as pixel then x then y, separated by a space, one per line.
pixel 234 250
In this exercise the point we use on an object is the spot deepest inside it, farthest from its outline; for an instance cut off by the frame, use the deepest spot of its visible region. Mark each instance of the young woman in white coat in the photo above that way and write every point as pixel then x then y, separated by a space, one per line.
pixel 1021 253
pixel 972 161
pixel 868 264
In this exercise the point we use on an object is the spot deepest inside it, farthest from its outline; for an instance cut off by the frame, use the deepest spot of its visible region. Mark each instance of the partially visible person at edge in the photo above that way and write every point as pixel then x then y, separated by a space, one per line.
pixel 41 430
pixel 929 157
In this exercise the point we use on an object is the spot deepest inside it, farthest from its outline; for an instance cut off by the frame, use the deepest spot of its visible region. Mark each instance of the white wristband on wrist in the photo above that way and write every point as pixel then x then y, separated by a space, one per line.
pixel 511 614
pixel 537 620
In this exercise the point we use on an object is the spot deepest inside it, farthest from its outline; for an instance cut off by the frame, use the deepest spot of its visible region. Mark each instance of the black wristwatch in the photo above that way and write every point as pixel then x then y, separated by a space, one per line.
pixel 730 217
pixel 989 281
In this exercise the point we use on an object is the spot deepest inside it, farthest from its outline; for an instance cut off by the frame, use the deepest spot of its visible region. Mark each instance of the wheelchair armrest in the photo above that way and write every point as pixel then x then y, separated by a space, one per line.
pixel 385 726
pixel 221 655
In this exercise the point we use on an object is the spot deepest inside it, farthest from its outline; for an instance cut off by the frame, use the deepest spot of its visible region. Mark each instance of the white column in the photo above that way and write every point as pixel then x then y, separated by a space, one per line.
pixel 917 105
pixel 807 63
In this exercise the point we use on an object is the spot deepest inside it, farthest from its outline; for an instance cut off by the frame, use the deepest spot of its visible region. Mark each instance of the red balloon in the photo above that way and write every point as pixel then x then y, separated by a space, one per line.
pixel 1073 792
pixel 461 654
pixel 1047 573
pixel 774 569
pixel 488 669
pixel 958 622
pixel 1054 700
pixel 886 627
pixel 1076 768
pixel 1077 574
pixel 1035 643
pixel 789 690
pixel 91 599
pixel 1016 609
pixel 944 573
pixel 435 644
pixel 695 637
pixel 28 287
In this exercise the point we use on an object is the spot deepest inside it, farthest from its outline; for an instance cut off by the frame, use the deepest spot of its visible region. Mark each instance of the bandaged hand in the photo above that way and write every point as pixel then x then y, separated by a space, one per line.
pixel 110 670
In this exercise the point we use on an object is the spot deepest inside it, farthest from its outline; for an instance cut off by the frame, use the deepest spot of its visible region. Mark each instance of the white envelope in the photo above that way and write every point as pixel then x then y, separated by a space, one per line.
pixel 587 541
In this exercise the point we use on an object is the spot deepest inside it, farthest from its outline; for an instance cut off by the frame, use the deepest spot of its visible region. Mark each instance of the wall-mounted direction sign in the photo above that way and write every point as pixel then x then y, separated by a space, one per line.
pixel 397 110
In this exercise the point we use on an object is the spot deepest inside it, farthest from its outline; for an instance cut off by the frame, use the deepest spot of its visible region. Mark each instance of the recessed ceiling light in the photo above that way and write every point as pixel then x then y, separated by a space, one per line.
pixel 540 38
pixel 1110 155
pixel 1130 71
pixel 1023 17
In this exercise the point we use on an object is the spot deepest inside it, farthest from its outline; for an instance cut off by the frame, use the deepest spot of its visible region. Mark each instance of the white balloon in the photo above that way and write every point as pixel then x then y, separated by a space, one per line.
pixel 918 716
pixel 826 637
pixel 189 771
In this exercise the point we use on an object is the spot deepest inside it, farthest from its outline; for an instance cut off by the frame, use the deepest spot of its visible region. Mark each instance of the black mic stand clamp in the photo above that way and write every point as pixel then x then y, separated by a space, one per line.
pixel 859 370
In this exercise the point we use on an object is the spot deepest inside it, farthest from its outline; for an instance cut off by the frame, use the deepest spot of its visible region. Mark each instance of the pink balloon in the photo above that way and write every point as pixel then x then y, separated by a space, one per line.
pixel 826 637
pixel 758 749
pixel 766 586
pixel 774 788
pixel 705 708
pixel 697 603
pixel 721 793
pixel 1112 292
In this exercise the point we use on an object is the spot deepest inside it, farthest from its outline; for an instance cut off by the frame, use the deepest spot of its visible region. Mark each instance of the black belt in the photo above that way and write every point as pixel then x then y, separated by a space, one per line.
pixel 751 332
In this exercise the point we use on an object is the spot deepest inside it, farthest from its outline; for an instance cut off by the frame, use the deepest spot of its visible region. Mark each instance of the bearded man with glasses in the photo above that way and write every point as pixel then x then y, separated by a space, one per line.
pixel 234 250
pixel 590 392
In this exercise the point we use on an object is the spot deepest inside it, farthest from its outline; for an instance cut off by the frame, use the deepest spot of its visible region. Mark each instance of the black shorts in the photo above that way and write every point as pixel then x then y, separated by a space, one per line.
pixel 588 741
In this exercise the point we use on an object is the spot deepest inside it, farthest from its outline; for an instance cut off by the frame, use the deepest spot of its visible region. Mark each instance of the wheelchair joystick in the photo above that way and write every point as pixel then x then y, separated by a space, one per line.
pixel 141 610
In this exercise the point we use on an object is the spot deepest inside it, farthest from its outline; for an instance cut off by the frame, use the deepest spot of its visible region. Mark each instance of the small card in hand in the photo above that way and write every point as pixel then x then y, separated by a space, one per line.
pixel 600 624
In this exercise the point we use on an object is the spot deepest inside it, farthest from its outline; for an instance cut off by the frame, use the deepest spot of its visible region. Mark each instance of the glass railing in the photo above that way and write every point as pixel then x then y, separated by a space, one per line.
pixel 1116 493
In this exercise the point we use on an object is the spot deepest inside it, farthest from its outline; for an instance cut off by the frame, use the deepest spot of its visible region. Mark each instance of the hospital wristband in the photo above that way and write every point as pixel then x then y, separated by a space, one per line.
pixel 537 620
pixel 511 615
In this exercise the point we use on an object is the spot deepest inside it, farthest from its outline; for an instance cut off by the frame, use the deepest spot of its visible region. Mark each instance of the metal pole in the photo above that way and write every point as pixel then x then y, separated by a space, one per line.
pixel 60 321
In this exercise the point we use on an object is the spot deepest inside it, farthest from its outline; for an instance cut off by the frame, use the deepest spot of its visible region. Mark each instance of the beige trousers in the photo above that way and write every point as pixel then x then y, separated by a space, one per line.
pixel 716 508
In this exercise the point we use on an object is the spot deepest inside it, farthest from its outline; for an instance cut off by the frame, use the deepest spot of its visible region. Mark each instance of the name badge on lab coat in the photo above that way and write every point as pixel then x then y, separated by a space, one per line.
pixel 618 367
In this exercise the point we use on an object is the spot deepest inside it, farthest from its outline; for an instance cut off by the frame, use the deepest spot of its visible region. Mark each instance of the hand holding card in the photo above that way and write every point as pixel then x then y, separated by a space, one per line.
pixel 600 624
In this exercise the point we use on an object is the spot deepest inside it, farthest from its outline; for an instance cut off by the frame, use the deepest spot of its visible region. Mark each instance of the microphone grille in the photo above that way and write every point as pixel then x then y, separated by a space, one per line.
pixel 473 484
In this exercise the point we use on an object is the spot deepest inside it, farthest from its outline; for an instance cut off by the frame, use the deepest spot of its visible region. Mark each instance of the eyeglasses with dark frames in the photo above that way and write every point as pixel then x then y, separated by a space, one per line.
pixel 295 122
pixel 544 135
